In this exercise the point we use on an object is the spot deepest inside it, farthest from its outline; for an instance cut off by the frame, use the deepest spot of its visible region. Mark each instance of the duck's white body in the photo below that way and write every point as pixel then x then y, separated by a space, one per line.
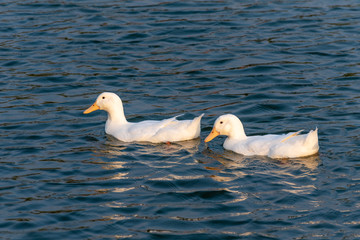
pixel 291 145
pixel 167 130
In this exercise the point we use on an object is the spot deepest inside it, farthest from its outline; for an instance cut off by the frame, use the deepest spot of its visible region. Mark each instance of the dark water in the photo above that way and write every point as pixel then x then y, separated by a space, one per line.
pixel 279 65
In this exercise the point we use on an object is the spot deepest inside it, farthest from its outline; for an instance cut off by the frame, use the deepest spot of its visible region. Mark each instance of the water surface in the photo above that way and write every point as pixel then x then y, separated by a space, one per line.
pixel 279 65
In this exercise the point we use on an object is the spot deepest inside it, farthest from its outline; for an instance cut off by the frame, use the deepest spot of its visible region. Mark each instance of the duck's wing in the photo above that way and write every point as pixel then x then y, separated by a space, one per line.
pixel 145 130
pixel 179 130
pixel 167 130
pixel 297 146
pixel 290 135
pixel 253 145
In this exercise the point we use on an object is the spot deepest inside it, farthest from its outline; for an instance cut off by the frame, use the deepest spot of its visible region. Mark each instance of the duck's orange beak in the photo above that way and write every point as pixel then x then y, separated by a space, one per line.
pixel 93 107
pixel 212 135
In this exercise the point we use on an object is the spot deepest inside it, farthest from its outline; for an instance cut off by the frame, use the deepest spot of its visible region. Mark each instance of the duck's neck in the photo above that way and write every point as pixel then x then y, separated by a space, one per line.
pixel 237 131
pixel 116 114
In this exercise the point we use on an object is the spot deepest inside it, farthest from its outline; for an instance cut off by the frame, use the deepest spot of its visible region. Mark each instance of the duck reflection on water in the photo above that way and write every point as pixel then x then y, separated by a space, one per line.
pixel 232 160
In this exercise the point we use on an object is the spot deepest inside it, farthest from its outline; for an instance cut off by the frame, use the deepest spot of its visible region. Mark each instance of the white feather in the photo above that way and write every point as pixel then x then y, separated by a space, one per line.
pixel 167 130
pixel 291 145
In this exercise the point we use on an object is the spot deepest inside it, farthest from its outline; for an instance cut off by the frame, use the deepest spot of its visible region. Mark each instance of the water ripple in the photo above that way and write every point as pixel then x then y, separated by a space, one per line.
pixel 280 66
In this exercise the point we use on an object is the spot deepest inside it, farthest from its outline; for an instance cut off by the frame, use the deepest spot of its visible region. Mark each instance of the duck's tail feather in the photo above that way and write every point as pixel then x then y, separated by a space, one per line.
pixel 312 139
pixel 196 121
pixel 196 124
pixel 199 117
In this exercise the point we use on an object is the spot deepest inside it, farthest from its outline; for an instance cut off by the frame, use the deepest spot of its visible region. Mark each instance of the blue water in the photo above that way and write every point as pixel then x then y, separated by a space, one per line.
pixel 279 65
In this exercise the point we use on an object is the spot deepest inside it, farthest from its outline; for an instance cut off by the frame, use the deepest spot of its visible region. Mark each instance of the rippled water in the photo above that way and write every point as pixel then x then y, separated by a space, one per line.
pixel 279 65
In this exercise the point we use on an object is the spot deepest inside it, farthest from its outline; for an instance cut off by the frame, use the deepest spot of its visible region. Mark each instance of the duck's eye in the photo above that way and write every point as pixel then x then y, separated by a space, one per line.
pixel 103 97
pixel 221 122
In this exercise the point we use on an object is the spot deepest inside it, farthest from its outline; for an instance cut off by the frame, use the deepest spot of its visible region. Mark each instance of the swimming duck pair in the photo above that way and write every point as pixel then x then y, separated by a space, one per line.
pixel 289 145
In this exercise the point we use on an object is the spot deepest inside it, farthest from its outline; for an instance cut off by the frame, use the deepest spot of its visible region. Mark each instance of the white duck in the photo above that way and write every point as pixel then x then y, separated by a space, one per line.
pixel 167 130
pixel 289 145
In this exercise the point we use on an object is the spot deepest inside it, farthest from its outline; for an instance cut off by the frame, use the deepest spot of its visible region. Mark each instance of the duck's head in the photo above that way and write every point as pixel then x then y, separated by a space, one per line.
pixel 228 125
pixel 105 101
